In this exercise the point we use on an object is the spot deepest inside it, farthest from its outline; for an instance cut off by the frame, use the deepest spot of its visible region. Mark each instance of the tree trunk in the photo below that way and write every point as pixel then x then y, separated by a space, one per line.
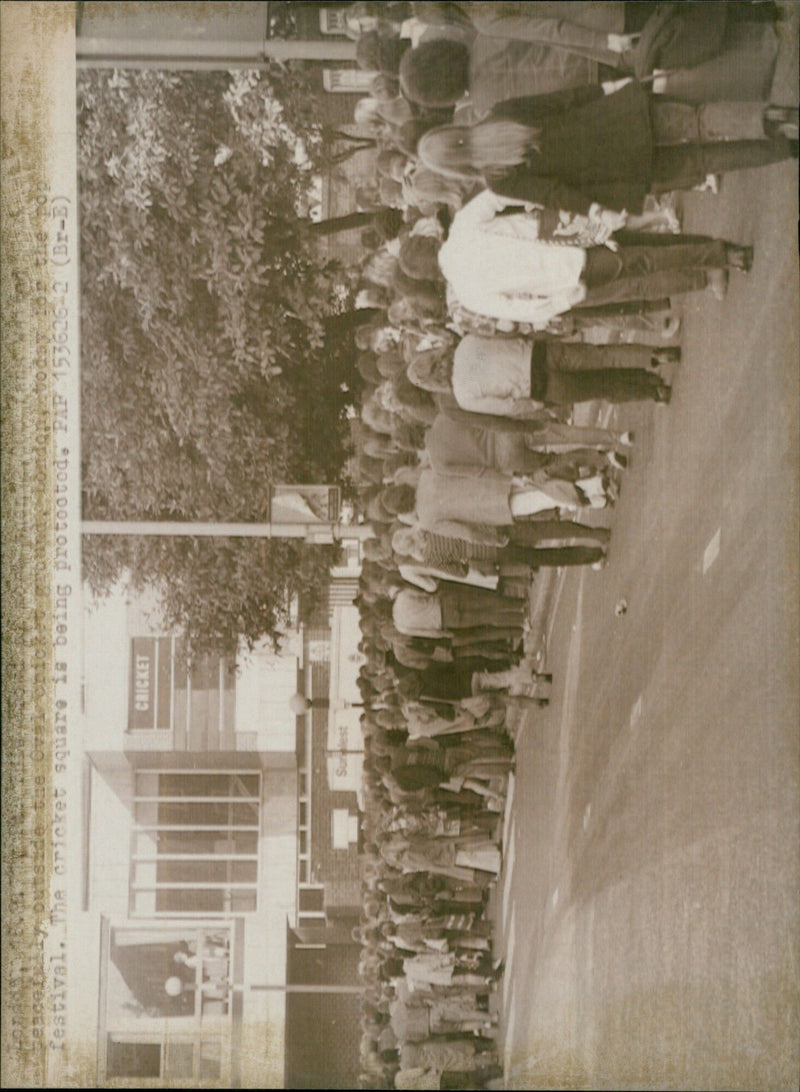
pixel 333 135
pixel 337 325
pixel 338 158
pixel 342 223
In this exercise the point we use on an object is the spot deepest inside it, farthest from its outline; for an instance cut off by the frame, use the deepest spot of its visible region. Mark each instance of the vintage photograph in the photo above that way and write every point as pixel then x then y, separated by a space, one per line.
pixel 401 434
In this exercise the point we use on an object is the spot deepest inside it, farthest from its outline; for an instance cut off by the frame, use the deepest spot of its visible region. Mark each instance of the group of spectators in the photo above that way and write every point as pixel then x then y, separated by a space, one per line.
pixel 520 271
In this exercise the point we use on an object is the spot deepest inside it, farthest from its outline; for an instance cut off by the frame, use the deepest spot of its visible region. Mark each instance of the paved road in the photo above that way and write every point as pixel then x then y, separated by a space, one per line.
pixel 650 907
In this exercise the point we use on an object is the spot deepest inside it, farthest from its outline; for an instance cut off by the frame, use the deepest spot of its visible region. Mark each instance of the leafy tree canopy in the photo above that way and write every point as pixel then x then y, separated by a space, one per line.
pixel 205 371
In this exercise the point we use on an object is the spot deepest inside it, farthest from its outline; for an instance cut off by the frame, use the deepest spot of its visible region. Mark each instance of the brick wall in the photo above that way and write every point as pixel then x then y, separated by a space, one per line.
pixel 322 1041
pixel 323 1031
pixel 340 183
pixel 338 199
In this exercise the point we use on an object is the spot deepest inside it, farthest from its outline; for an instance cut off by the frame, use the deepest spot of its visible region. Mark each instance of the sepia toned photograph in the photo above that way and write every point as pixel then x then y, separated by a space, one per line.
pixel 401 435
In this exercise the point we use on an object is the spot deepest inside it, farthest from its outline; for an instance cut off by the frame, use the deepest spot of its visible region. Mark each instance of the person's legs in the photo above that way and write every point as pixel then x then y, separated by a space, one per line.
pixel 745 11
pixel 556 436
pixel 557 556
pixel 568 464
pixel 677 282
pixel 637 14
pixel 480 640
pixel 528 460
pixel 515 677
pixel 504 615
pixel 686 165
pixel 670 265
pixel 495 680
pixel 620 385
pixel 624 313
pixel 534 532
pixel 465 607
pixel 562 494
pixel 672 252
pixel 485 768
pixel 580 356
pixel 683 123
pixel 528 500
pixel 499 659
pixel 456 1078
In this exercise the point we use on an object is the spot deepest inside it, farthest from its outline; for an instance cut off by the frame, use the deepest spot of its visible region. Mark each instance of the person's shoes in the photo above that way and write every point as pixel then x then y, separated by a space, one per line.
pixel 663 394
pixel 611 487
pixel 670 354
pixel 618 461
pixel 746 260
pixel 739 257
pixel 671 327
pixel 717 283
pixel 781 121
pixel 492 1073
pixel 598 566
pixel 627 438
pixel 523 701
pixel 709 185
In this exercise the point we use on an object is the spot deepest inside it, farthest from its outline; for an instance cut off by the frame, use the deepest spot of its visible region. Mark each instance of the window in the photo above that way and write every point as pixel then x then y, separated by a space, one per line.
pixel 174 1059
pixel 195 844
pixel 344 828
pixel 311 899
pixel 166 1011
pixel 348 80
pixel 132 1059
pixel 311 904
pixel 332 21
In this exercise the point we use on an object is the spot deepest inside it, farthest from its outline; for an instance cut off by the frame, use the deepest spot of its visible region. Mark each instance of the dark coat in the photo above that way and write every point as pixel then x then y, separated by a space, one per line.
pixel 592 148
pixel 680 36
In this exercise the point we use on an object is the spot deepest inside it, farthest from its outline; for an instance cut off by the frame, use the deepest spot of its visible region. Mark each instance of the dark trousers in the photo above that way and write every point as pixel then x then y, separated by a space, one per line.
pixel 556 556
pixel 564 464
pixel 671 266
pixel 530 533
pixel 580 356
pixel 622 382
pixel 621 385
pixel 682 166
pixel 467 607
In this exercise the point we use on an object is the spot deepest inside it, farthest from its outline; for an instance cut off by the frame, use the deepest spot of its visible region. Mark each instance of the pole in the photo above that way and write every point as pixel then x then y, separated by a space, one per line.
pixel 312 532
pixel 299 988
pixel 203 55
pixel 186 527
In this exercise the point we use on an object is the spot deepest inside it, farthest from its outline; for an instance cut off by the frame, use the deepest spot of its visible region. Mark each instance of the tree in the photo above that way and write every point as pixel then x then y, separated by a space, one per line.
pixel 205 371
pixel 347 222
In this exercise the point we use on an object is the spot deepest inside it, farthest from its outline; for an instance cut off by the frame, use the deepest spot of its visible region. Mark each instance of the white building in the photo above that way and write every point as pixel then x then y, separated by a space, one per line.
pixel 190 856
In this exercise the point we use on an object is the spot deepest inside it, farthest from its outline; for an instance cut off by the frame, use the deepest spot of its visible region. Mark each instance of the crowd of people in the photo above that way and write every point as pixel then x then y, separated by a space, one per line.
pixel 520 273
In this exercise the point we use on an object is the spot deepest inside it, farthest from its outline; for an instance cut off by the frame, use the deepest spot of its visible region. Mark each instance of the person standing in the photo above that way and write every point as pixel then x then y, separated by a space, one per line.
pixel 525 280
pixel 572 150
pixel 517 377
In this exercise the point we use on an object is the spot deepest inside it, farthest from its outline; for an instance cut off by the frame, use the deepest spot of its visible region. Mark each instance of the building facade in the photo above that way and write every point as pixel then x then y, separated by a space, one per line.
pixel 219 843
pixel 190 846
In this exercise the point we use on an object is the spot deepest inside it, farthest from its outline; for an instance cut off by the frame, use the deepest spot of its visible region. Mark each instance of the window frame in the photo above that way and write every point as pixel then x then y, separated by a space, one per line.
pixel 140 858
